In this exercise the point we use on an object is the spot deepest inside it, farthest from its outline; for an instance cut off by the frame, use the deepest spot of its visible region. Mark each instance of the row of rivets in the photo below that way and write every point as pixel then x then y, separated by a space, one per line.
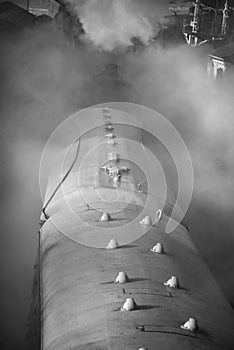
pixel 108 123
pixel 112 156
pixel 122 277
pixel 173 282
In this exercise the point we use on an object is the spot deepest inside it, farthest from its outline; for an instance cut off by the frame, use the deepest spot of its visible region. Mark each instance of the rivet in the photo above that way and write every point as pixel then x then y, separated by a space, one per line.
pixel 158 216
pixel 173 282
pixel 105 217
pixel 113 244
pixel 190 325
pixel 129 305
pixel 146 220
pixel 122 277
pixel 158 248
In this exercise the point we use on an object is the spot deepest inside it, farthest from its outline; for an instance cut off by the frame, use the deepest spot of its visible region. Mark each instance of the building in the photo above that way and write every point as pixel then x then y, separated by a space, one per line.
pixel 38 7
pixel 201 21
pixel 14 17
pixel 43 7
pixel 220 61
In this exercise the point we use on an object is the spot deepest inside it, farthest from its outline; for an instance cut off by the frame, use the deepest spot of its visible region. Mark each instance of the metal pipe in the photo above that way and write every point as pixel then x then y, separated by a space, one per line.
pixel 194 24
pixel 225 18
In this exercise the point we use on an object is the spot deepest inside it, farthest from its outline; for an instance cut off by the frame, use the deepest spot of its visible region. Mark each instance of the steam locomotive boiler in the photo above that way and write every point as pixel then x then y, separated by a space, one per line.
pixel 109 275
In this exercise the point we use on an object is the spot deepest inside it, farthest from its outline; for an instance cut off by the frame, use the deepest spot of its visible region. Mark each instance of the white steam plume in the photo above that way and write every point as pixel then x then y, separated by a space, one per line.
pixel 173 81
pixel 112 24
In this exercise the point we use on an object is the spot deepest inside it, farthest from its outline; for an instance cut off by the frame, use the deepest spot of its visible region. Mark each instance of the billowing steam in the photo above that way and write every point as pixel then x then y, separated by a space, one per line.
pixel 174 82
pixel 112 24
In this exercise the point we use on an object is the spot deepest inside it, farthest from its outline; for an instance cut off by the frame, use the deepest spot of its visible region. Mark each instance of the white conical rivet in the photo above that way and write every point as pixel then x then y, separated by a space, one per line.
pixel 122 277
pixel 142 349
pixel 158 216
pixel 105 217
pixel 113 244
pixel 190 325
pixel 173 282
pixel 146 220
pixel 129 305
pixel 158 248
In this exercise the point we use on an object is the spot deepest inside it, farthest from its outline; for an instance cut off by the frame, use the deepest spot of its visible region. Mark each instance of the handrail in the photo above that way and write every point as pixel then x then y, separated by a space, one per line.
pixel 63 179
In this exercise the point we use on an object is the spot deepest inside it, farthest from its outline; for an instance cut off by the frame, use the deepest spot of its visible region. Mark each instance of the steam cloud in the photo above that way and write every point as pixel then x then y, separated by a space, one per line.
pixel 174 82
pixel 112 24
pixel 45 84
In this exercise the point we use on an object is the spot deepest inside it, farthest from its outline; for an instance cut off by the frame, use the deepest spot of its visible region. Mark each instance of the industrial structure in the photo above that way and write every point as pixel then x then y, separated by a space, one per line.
pixel 204 21
pixel 221 60
pixel 107 275
pixel 209 23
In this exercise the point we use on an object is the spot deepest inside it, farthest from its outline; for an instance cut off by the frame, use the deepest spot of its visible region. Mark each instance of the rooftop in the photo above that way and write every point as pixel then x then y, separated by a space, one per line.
pixel 15 15
pixel 226 52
